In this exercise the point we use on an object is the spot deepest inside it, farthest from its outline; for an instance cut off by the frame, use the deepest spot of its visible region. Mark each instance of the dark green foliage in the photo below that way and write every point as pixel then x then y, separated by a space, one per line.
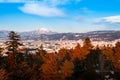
pixel 14 42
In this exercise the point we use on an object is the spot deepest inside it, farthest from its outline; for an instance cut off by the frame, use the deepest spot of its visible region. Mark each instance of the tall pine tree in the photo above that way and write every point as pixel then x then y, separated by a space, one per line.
pixel 14 42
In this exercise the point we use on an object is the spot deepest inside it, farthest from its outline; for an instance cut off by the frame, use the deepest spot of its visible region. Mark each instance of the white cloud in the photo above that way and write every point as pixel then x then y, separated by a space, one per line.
pixel 42 10
pixel 112 19
pixel 111 22
pixel 109 19
pixel 46 8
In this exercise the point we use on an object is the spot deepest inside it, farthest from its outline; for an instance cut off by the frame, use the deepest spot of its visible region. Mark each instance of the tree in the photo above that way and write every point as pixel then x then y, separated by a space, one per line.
pixel 66 69
pixel 63 54
pixel 50 68
pixel 3 74
pixel 14 42
pixel 113 55
pixel 77 52
pixel 12 45
pixel 85 49
pixel 92 64
pixel 117 56
pixel 79 58
pixel 87 43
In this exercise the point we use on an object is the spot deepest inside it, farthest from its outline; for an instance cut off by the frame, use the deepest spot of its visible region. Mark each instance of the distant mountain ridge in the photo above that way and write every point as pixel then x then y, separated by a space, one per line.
pixel 44 34
pixel 38 32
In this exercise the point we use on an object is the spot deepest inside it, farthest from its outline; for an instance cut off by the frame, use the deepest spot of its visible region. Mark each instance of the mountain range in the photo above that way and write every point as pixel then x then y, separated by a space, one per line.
pixel 44 34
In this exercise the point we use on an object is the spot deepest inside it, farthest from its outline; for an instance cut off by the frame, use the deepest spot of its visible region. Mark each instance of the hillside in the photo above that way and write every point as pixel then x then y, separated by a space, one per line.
pixel 49 35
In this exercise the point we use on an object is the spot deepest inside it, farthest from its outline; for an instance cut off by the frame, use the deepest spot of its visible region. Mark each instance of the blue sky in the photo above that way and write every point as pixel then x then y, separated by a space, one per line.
pixel 60 15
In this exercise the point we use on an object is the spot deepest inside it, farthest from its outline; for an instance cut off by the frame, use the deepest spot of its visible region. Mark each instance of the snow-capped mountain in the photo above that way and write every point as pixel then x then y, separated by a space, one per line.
pixel 43 31
pixel 38 32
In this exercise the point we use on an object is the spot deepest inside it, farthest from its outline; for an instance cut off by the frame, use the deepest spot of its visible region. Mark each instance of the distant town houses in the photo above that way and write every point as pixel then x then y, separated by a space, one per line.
pixel 31 46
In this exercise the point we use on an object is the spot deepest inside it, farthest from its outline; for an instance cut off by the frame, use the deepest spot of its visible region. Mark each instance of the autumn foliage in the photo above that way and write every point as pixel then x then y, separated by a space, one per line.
pixel 79 63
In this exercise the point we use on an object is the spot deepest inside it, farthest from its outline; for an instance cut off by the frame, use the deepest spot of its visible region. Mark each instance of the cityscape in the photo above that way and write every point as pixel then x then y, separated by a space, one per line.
pixel 33 41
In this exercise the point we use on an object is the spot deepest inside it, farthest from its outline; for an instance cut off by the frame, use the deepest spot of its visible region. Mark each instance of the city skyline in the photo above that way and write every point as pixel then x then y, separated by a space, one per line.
pixel 59 15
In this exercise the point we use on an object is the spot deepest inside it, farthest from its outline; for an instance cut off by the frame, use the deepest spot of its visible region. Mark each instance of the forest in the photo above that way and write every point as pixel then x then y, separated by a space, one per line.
pixel 80 63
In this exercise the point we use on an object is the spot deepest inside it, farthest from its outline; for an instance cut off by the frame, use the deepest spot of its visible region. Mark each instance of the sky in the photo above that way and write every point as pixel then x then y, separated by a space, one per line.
pixel 60 15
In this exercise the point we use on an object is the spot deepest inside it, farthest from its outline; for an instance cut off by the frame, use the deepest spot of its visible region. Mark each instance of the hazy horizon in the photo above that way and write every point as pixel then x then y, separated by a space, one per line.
pixel 59 15
pixel 56 31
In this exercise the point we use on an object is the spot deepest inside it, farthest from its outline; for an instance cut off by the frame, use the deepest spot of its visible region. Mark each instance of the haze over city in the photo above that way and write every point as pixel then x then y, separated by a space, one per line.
pixel 60 15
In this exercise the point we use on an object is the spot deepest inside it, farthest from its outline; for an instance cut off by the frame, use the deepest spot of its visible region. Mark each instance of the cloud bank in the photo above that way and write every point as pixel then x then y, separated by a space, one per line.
pixel 111 22
pixel 41 10
pixel 45 8
pixel 111 19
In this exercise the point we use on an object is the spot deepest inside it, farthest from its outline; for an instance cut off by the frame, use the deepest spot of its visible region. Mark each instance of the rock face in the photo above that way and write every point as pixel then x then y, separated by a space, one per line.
pixel 45 34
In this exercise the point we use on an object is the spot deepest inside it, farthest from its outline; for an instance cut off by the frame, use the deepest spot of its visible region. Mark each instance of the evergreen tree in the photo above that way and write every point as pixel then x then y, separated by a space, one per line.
pixel 14 42
pixel 12 45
